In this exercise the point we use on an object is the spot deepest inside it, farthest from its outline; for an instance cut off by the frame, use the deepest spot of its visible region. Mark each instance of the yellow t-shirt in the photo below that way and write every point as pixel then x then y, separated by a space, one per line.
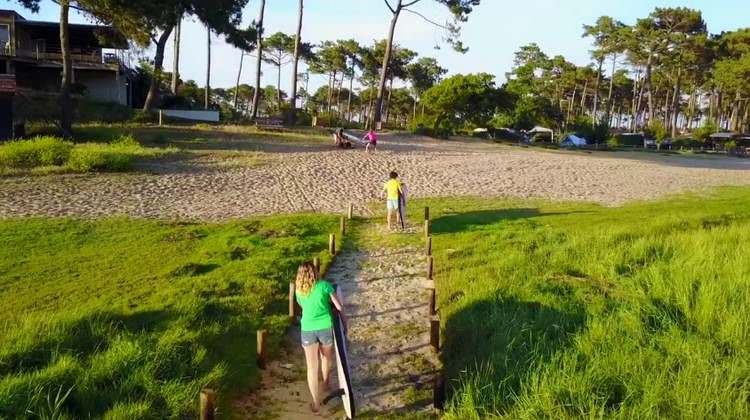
pixel 392 187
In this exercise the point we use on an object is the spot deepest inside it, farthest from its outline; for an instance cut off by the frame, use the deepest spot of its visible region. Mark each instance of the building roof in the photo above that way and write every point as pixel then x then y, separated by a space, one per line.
pixel 95 35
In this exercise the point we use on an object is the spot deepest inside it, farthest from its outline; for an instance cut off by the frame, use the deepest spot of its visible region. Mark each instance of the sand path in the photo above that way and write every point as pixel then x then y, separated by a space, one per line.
pixel 392 364
pixel 299 177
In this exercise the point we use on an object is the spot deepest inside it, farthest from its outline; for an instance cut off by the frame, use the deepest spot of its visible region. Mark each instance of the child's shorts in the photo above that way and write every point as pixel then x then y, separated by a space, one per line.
pixel 324 337
pixel 392 204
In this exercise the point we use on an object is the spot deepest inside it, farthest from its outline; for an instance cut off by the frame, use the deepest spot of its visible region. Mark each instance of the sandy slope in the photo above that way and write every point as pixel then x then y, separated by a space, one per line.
pixel 319 178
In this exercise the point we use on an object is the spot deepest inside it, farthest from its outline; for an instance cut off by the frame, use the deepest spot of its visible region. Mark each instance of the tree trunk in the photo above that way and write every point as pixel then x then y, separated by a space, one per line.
pixel 259 62
pixel 331 87
pixel 295 63
pixel 207 98
pixel 386 63
pixel 278 85
pixel 239 76
pixel 349 100
pixel 338 96
pixel 570 106
pixel 153 90
pixel 676 102
pixel 583 96
pixel 388 102
pixel 635 102
pixel 611 86
pixel 649 89
pixel 176 58
pixel 595 107
pixel 66 103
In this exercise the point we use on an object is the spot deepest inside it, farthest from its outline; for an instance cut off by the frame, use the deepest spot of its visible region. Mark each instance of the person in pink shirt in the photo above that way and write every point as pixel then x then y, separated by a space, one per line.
pixel 372 140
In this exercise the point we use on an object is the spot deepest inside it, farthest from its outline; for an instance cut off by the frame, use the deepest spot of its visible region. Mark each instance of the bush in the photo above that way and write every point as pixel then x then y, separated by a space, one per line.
pixel 40 151
pixel 656 130
pixel 144 117
pixel 705 131
pixel 686 143
pixel 628 140
pixel 117 155
pixel 106 112
pixel 425 126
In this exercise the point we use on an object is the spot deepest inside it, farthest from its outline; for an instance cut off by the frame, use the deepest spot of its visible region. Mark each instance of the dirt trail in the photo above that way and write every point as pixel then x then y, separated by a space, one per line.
pixel 390 357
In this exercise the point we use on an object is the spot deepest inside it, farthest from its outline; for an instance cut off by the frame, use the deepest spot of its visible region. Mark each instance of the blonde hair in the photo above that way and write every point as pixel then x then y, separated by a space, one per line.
pixel 306 278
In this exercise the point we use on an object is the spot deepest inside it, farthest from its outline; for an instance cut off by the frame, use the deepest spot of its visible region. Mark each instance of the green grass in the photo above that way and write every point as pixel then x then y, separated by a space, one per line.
pixel 129 319
pixel 579 311
pixel 54 155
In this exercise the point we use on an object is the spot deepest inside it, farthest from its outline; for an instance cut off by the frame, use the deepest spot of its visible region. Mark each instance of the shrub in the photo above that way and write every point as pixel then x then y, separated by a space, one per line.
pixel 656 130
pixel 106 112
pixel 686 143
pixel 628 140
pixel 705 131
pixel 91 156
pixel 143 117
pixel 39 151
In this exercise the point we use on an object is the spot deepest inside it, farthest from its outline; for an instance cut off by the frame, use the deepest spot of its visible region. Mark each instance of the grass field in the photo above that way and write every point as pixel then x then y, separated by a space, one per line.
pixel 129 319
pixel 579 311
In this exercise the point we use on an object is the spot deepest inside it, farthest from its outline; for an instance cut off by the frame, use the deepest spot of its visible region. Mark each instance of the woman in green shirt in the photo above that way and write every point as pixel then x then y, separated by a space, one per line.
pixel 315 297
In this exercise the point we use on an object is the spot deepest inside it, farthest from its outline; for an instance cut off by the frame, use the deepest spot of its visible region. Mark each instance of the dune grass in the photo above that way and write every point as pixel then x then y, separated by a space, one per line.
pixel 579 311
pixel 47 154
pixel 129 319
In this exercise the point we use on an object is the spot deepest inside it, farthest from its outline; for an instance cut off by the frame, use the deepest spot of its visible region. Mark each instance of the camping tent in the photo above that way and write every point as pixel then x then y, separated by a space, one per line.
pixel 538 130
pixel 573 141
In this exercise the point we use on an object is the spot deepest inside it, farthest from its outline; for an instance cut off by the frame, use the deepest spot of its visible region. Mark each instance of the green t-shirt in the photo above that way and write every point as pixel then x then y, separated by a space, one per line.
pixel 316 307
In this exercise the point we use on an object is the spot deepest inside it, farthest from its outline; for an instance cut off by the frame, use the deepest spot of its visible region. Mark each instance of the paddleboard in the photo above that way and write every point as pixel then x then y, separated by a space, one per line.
pixel 342 364
pixel 401 205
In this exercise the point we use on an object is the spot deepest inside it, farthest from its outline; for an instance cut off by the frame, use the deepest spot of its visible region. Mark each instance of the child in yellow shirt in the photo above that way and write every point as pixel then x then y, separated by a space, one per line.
pixel 392 189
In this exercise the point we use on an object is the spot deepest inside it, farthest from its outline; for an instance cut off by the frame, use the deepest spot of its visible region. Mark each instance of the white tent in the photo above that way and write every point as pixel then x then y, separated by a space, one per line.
pixel 538 129
pixel 574 141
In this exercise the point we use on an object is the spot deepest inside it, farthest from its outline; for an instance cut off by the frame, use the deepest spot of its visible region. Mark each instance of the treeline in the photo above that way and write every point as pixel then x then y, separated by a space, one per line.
pixel 148 23
pixel 665 74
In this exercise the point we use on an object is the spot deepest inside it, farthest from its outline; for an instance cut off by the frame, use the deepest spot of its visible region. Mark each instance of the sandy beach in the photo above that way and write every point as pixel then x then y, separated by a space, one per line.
pixel 323 179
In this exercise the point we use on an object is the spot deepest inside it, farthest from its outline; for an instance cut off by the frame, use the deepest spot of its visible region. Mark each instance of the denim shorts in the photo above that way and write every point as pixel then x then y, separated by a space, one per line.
pixel 324 337
pixel 392 204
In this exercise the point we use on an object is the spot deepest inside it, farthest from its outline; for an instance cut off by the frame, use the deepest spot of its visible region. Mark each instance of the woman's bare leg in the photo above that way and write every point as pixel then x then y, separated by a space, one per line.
pixel 326 361
pixel 313 367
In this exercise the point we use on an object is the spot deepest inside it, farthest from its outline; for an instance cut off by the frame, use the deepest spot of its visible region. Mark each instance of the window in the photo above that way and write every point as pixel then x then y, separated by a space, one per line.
pixel 5 39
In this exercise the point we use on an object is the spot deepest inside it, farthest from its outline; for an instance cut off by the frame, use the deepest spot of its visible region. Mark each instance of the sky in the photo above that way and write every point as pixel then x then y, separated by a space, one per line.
pixel 495 30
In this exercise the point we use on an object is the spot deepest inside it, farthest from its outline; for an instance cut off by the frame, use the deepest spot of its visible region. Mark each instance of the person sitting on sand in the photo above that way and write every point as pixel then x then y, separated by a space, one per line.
pixel 372 140
pixel 315 297
pixel 392 189
pixel 338 137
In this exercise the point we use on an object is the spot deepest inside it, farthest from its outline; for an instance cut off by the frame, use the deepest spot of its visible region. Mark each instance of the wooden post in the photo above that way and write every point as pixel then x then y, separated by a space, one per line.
pixel 431 304
pixel 342 226
pixel 161 117
pixel 332 244
pixel 261 355
pixel 426 213
pixel 430 268
pixel 428 246
pixel 435 334
pixel 427 229
pixel 438 393
pixel 207 404
pixel 316 264
pixel 292 301
pixel 351 211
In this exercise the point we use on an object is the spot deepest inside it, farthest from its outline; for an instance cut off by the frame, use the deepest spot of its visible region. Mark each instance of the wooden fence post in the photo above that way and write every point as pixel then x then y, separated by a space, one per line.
pixel 207 404
pixel 426 213
pixel 427 229
pixel 428 246
pixel 161 117
pixel 292 301
pixel 351 211
pixel 431 304
pixel 430 268
pixel 316 264
pixel 261 354
pixel 342 226
pixel 435 334
pixel 438 393
pixel 332 244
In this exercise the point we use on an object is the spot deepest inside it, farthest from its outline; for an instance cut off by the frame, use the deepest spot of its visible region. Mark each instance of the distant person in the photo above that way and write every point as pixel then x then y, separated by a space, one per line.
pixel 315 297
pixel 338 137
pixel 393 192
pixel 372 140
